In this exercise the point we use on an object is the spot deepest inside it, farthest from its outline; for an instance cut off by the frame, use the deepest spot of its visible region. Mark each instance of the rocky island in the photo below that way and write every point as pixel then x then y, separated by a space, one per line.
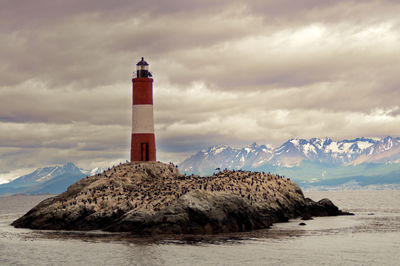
pixel 154 198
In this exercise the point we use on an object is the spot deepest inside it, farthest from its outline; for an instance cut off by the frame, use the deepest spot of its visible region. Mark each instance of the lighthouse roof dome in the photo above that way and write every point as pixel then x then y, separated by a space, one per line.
pixel 142 63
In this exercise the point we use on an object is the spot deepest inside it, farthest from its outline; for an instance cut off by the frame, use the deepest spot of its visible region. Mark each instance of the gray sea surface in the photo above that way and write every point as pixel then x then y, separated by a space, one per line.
pixel 370 237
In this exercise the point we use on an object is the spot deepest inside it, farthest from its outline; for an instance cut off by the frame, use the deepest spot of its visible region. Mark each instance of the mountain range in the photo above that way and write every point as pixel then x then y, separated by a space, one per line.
pixel 320 163
pixel 307 161
pixel 47 180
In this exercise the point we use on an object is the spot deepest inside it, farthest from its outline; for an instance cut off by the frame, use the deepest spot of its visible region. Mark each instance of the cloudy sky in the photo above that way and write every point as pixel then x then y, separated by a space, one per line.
pixel 225 72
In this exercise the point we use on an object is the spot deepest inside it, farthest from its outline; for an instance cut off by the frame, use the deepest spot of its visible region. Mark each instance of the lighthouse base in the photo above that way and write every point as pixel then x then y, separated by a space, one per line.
pixel 143 147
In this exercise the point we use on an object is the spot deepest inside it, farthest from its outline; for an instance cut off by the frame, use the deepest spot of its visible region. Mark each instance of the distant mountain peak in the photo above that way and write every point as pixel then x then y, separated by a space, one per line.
pixel 50 179
pixel 50 172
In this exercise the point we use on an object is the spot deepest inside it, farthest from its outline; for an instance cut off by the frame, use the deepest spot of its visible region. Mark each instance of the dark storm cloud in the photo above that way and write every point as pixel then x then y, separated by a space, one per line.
pixel 229 72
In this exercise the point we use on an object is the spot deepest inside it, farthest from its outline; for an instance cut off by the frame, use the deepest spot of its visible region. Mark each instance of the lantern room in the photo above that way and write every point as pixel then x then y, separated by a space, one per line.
pixel 142 69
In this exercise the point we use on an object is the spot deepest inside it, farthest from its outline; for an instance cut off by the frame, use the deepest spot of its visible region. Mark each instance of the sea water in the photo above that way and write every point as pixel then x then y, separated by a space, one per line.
pixel 370 237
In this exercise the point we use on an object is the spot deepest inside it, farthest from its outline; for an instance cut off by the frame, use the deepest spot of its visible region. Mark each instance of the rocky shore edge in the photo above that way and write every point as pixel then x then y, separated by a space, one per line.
pixel 148 198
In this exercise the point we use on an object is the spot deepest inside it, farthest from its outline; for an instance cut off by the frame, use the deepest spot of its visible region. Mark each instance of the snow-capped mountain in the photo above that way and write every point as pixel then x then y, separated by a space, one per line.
pixel 51 179
pixel 294 152
pixel 93 171
pixel 44 174
pixel 224 156
pixel 326 150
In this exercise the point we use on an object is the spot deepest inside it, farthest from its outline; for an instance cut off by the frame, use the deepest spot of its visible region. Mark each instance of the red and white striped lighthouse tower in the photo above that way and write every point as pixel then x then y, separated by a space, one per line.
pixel 143 143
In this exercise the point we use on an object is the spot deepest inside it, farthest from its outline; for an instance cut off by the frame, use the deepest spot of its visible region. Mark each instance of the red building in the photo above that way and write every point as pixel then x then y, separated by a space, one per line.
pixel 143 143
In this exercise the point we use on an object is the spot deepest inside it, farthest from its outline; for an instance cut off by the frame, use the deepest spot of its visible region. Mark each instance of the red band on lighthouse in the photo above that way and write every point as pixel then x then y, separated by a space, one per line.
pixel 143 91
pixel 143 144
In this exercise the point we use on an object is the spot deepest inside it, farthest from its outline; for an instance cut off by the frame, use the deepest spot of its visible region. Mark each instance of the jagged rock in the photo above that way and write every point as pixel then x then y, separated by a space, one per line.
pixel 324 207
pixel 154 198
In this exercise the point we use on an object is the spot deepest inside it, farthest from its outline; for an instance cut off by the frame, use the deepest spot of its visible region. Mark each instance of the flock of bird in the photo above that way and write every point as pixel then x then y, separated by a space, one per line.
pixel 151 187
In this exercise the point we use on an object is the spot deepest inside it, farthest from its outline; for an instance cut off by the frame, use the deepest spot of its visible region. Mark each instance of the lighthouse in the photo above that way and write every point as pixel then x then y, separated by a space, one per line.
pixel 143 143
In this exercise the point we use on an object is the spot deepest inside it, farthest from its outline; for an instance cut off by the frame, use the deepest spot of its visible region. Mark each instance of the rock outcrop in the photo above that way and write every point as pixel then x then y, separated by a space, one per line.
pixel 154 198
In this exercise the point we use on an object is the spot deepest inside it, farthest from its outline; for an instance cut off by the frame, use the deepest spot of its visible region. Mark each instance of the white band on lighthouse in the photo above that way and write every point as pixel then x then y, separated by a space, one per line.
pixel 142 119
